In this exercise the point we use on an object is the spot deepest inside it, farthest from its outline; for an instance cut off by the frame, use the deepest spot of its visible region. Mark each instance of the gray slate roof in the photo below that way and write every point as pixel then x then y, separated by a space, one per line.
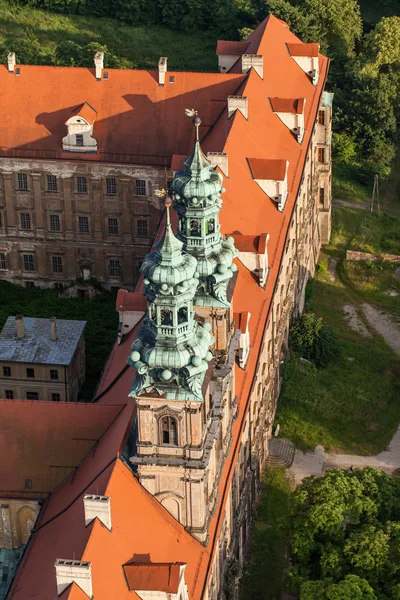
pixel 36 346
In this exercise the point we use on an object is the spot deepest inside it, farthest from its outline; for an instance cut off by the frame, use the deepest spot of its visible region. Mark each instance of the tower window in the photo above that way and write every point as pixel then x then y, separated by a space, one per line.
pixel 79 139
pixel 182 314
pixel 166 316
pixel 195 228
pixel 169 431
pixel 210 226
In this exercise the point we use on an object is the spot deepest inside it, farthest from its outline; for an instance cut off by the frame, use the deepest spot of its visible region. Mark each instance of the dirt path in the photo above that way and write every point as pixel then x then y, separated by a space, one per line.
pixel 385 325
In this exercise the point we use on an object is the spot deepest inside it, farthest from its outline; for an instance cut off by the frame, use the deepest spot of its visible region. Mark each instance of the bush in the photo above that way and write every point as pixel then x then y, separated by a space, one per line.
pixel 312 339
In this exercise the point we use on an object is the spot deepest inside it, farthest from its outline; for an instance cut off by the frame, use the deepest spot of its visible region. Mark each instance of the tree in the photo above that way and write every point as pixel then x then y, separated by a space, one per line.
pixel 312 339
pixel 351 587
pixel 382 45
pixel 68 54
pixel 26 47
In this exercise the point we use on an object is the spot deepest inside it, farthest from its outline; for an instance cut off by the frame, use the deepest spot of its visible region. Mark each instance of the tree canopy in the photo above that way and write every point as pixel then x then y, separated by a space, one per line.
pixel 344 537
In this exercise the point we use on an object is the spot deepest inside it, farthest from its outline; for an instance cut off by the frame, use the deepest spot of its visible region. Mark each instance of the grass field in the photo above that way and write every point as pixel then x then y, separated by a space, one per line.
pixel 140 46
pixel 352 405
pixel 263 574
pixel 99 312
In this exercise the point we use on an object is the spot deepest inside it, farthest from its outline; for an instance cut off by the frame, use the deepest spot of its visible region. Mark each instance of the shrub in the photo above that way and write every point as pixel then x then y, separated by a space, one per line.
pixel 312 339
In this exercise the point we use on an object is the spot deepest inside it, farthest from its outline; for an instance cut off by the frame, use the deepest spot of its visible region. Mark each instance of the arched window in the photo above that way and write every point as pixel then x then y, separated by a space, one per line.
pixel 169 434
pixel 166 316
pixel 182 314
pixel 182 225
pixel 195 228
pixel 210 226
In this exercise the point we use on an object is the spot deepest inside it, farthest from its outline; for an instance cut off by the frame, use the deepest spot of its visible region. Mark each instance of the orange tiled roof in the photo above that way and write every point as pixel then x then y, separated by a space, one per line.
pixel 289 105
pixel 161 577
pixel 300 49
pixel 85 111
pixel 137 121
pixel 231 48
pixel 130 301
pixel 42 442
pixel 267 168
pixel 73 592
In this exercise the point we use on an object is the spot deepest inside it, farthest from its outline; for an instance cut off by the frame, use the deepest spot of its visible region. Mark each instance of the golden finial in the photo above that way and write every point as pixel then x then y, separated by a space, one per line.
pixel 192 112
pixel 160 193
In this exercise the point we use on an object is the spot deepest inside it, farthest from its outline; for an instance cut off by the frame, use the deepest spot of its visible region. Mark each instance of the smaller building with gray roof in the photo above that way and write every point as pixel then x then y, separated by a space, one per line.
pixel 42 359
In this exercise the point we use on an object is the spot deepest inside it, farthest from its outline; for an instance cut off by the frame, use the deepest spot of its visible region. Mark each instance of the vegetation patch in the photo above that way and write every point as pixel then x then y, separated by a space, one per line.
pixel 99 312
pixel 263 574
pixel 344 534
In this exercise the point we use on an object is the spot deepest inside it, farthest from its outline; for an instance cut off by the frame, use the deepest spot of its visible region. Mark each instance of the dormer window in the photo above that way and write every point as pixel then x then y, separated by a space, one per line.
pixel 271 176
pixel 291 113
pixel 306 56
pixel 80 130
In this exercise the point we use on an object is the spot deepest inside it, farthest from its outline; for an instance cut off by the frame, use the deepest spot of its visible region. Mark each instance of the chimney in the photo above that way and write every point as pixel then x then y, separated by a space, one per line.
pixel 53 329
pixel 11 62
pixel 97 506
pixel 162 69
pixel 219 159
pixel 255 61
pixel 99 63
pixel 70 571
pixel 19 321
pixel 238 103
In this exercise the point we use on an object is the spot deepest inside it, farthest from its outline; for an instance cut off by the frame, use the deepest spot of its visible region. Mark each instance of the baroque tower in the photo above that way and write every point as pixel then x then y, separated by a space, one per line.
pixel 184 391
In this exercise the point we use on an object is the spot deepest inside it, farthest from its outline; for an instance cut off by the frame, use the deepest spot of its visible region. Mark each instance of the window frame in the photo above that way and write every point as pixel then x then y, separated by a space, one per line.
pixel 55 399
pixel 81 182
pixel 113 226
pixel 30 373
pixel 167 431
pixel 321 117
pixel 33 395
pixel 80 143
pixel 3 264
pixel 321 153
pixel 51 187
pixel 22 182
pixel 141 184
pixel 81 221
pixel 57 264
pixel 26 263
pixel 57 221
pixel 6 371
pixel 115 269
pixel 25 216
pixel 111 186
pixel 139 225
pixel 54 375
pixel 9 394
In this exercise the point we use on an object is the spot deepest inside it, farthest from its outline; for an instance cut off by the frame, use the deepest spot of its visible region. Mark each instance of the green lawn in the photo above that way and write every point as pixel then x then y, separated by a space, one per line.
pixel 140 46
pixel 263 573
pixel 346 184
pixel 352 405
pixel 99 312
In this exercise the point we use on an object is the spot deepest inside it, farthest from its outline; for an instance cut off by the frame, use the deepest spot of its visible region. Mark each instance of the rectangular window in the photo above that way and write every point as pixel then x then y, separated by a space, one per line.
pixel 142 229
pixel 112 226
pixel 321 195
pixel 2 260
pixel 54 223
pixel 30 373
pixel 79 139
pixel 111 185
pixel 29 264
pixel 56 397
pixel 32 396
pixel 115 268
pixel 81 185
pixel 22 181
pixel 83 224
pixel 25 219
pixel 321 155
pixel 9 394
pixel 58 286
pixel 140 187
pixel 7 371
pixel 53 373
pixel 57 264
pixel 29 284
pixel 51 183
pixel 321 117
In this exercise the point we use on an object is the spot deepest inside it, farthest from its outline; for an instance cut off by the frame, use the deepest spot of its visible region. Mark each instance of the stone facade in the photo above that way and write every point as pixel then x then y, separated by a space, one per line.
pixel 65 221
pixel 17 518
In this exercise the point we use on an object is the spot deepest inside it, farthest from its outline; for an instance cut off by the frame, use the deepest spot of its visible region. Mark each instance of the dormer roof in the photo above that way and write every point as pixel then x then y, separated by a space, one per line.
pixel 288 105
pixel 251 243
pixel 268 168
pixel 130 301
pixel 153 577
pixel 300 50
pixel 85 112
pixel 231 48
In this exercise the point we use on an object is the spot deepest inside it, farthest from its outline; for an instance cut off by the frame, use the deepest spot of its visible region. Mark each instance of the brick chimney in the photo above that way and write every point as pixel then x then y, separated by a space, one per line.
pixel 19 322
pixel 253 60
pixel 97 506
pixel 99 64
pixel 11 62
pixel 70 571
pixel 162 69
pixel 53 329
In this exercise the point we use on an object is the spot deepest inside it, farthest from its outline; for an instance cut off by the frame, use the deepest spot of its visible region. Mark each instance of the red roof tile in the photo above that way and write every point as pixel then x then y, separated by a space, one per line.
pixel 85 111
pixel 43 442
pixel 303 49
pixel 267 168
pixel 160 577
pixel 246 243
pixel 231 48
pixel 131 301
pixel 288 105
pixel 127 102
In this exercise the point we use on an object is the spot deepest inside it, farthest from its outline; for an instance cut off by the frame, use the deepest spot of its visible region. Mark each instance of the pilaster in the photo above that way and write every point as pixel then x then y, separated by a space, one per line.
pixel 37 195
pixel 97 207
pixel 9 201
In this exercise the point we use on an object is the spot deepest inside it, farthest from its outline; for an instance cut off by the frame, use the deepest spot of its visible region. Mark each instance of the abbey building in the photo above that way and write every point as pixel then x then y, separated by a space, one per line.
pixel 161 506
